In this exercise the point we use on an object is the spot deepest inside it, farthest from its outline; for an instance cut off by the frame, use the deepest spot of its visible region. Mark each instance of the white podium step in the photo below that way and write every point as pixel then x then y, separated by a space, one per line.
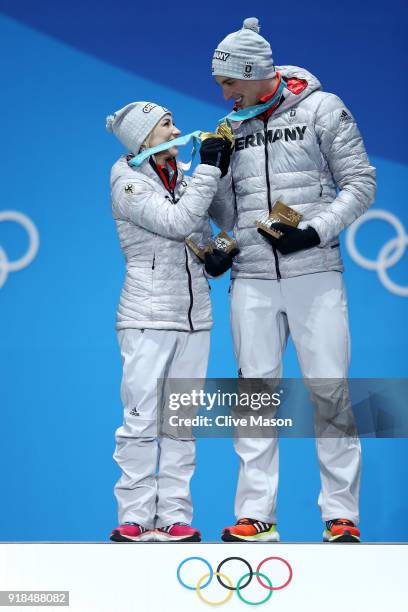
pixel 154 577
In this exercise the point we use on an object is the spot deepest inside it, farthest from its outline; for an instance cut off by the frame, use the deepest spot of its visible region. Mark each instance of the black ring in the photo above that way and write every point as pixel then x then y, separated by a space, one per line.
pixel 251 573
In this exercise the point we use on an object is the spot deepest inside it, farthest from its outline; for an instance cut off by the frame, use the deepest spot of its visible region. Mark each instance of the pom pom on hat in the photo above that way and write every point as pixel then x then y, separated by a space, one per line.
pixel 252 23
pixel 109 123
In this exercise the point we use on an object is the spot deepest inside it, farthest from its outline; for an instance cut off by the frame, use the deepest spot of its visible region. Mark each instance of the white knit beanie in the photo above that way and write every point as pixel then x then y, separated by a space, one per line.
pixel 244 54
pixel 133 123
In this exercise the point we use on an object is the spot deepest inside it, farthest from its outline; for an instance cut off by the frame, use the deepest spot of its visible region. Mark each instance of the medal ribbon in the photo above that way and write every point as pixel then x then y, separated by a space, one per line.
pixel 240 115
pixel 176 142
pixel 253 111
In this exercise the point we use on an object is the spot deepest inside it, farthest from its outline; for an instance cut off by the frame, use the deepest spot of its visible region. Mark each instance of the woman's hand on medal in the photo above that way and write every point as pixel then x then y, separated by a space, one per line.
pixel 216 152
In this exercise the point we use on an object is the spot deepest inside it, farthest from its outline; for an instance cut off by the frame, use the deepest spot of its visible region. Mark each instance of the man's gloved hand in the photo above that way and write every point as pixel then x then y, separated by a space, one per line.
pixel 294 239
pixel 216 152
pixel 218 262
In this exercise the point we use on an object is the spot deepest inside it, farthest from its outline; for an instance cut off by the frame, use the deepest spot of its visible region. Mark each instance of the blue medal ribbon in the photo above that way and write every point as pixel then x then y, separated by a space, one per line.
pixel 176 142
pixel 241 115
pixel 253 111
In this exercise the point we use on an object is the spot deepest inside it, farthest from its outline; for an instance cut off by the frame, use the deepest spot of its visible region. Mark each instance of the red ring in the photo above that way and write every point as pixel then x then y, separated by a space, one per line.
pixel 275 588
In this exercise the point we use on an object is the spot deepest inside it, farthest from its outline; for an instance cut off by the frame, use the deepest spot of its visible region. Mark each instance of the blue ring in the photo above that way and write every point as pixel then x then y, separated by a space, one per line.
pixel 193 588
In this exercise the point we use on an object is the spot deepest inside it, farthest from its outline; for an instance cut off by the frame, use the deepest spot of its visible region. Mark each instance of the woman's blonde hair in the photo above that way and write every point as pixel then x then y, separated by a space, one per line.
pixel 146 143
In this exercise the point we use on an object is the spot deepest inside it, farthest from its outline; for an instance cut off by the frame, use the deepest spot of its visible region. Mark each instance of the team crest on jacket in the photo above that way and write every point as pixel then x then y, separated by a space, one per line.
pixel 292 115
pixel 129 188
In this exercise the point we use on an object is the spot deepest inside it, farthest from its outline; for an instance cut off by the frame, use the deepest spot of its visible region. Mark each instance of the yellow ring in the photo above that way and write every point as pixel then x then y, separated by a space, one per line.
pixel 214 603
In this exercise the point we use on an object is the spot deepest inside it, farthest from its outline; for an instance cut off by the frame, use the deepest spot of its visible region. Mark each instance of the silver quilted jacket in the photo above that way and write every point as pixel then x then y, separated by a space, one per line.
pixel 165 285
pixel 309 154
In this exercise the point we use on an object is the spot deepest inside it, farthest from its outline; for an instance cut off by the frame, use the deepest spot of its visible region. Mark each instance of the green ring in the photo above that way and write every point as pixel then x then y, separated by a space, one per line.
pixel 254 603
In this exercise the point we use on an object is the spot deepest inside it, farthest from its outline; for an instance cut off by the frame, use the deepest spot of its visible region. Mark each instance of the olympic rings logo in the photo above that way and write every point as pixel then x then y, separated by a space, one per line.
pixel 242 582
pixel 7 266
pixel 390 253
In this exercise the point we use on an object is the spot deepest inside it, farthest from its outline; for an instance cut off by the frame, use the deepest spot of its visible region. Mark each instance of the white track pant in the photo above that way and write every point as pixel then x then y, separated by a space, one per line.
pixel 313 309
pixel 154 488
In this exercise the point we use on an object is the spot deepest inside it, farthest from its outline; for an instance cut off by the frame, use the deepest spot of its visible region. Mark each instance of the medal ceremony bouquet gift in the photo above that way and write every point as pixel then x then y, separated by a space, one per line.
pixel 280 213
pixel 221 242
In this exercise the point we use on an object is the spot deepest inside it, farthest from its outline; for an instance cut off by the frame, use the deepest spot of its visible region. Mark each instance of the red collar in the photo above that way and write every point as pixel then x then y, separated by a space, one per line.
pixel 294 85
pixel 162 171
pixel 264 116
pixel 273 92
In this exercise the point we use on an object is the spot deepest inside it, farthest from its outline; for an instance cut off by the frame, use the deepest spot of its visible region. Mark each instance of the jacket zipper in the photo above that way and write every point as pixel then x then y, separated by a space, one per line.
pixel 190 284
pixel 235 196
pixel 268 187
pixel 275 254
pixel 190 289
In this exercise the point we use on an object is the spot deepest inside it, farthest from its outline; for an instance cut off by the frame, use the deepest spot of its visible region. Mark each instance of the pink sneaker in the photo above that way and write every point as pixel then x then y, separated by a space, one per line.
pixel 131 532
pixel 178 532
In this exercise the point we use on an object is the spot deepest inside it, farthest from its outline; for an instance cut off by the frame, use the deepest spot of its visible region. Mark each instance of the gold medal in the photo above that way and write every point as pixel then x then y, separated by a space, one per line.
pixel 223 131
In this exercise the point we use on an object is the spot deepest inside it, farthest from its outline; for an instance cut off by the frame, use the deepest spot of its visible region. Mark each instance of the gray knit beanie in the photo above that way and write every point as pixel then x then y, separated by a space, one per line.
pixel 133 123
pixel 244 54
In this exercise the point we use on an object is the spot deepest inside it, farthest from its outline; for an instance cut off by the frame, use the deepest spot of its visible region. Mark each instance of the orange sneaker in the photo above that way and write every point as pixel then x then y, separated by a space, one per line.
pixel 250 530
pixel 341 530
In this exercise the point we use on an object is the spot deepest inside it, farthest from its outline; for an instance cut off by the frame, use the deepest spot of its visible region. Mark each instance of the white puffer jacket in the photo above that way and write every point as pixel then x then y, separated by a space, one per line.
pixel 309 154
pixel 165 285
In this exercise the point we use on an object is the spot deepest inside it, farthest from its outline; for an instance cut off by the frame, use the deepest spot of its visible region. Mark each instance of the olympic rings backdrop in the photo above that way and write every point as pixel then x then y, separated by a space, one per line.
pixel 242 583
pixel 64 68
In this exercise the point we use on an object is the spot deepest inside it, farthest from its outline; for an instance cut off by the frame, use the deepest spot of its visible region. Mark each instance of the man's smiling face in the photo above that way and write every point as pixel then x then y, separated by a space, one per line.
pixel 244 93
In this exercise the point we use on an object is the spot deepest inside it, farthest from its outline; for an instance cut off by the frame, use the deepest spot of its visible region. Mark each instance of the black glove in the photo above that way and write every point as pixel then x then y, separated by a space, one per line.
pixel 216 152
pixel 218 262
pixel 293 239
